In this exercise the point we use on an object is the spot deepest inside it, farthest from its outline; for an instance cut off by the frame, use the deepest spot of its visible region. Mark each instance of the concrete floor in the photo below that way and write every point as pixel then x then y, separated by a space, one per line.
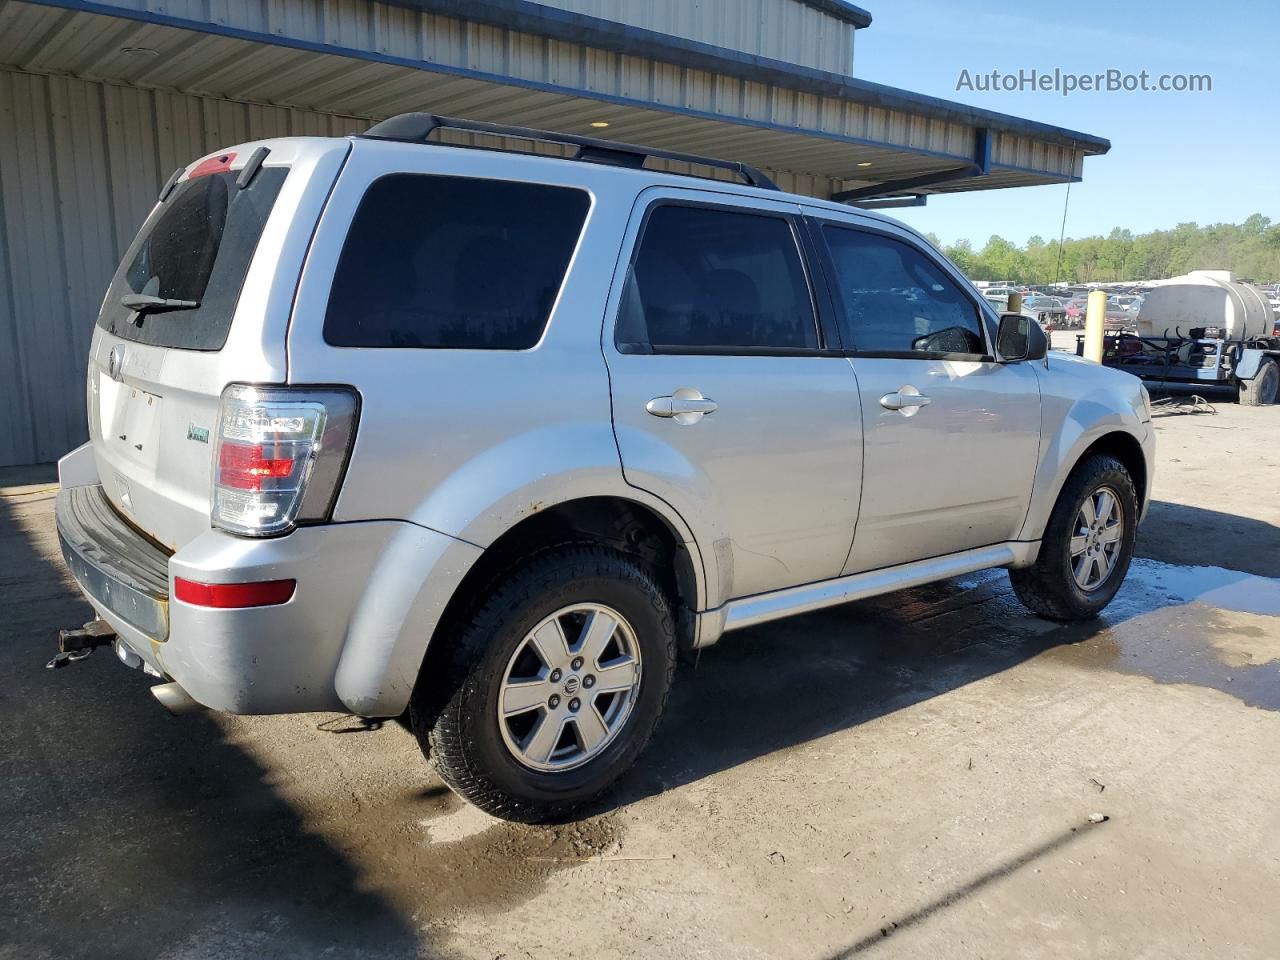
pixel 917 775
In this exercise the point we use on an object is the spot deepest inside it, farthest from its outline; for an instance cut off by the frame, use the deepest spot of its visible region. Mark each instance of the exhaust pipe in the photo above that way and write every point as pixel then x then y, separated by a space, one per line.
pixel 176 700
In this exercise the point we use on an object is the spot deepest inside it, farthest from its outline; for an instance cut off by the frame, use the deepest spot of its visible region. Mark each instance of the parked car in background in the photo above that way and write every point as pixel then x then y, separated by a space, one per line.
pixel 999 302
pixel 1119 314
pixel 495 468
pixel 1130 304
pixel 1273 297
pixel 1076 309
pixel 1049 312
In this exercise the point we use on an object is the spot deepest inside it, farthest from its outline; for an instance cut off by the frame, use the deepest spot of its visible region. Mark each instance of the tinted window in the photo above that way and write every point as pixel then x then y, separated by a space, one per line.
pixel 716 279
pixel 453 262
pixel 897 300
pixel 195 246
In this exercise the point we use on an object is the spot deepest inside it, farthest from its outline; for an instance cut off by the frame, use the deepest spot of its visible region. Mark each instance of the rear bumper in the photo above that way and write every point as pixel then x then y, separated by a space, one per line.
pixel 119 570
pixel 347 608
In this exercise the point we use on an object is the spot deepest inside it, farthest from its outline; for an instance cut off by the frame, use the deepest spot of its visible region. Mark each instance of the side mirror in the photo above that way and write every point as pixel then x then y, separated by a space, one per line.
pixel 1020 338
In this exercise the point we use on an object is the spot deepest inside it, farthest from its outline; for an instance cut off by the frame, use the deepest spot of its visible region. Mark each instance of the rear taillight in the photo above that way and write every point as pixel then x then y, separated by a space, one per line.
pixel 280 456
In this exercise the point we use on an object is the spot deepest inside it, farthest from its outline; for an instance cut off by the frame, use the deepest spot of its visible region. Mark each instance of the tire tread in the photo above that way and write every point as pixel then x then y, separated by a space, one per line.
pixel 1251 394
pixel 445 739
pixel 1041 587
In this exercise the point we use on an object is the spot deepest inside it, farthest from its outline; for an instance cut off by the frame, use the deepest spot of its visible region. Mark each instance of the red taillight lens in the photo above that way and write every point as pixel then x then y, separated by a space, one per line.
pixel 244 466
pixel 280 455
pixel 264 593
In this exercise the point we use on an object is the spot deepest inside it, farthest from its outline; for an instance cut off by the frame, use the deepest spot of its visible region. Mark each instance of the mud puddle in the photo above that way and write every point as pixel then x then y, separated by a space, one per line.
pixel 1201 625
pixel 1206 626
pixel 439 857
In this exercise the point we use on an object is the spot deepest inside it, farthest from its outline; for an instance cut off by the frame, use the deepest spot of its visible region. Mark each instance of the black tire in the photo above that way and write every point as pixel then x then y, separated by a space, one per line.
pixel 1049 588
pixel 1264 388
pixel 455 715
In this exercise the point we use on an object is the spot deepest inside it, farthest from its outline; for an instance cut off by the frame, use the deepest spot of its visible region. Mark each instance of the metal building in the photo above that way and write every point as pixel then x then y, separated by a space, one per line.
pixel 100 100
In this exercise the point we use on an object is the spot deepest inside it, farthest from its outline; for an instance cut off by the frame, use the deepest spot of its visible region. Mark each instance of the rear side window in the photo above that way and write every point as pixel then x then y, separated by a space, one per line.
pixel 894 299
pixel 453 262
pixel 711 280
pixel 196 247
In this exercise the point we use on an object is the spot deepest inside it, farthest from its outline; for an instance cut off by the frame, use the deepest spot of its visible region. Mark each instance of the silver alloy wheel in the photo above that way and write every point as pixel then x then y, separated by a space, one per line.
pixel 569 687
pixel 1097 539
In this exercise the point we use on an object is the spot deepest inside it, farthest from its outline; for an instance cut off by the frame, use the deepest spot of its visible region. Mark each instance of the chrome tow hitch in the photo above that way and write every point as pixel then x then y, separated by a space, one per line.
pixel 77 644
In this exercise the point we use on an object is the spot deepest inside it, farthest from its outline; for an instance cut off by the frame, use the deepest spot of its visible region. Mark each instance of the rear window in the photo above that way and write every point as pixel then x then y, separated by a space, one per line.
pixel 453 262
pixel 195 247
pixel 713 280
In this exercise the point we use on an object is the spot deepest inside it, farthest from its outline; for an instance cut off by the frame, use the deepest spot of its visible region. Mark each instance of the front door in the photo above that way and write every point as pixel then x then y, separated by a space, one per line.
pixel 727 402
pixel 951 437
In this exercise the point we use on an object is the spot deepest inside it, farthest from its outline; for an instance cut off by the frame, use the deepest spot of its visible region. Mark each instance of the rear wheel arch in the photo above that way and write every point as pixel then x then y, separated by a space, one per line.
pixel 502 754
pixel 625 525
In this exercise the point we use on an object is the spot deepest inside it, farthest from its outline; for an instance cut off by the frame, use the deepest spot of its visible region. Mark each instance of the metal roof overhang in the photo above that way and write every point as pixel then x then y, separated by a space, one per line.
pixel 86 39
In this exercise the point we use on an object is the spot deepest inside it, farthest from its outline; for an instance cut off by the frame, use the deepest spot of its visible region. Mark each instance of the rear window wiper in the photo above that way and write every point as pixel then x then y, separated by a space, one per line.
pixel 144 303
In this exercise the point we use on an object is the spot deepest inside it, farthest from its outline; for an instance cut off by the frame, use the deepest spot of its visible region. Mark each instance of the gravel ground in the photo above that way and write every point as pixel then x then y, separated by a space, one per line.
pixel 934 773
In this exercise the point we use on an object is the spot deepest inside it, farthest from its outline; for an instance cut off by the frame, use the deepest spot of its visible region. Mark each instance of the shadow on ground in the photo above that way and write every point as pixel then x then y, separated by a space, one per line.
pixel 786 683
pixel 1193 536
pixel 126 833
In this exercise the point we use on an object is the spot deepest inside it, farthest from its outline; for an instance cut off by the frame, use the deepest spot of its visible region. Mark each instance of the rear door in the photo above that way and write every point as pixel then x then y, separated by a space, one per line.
pixel 951 437
pixel 225 256
pixel 729 399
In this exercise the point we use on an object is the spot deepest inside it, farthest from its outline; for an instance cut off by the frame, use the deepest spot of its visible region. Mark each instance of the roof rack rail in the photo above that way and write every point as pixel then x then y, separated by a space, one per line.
pixel 416 127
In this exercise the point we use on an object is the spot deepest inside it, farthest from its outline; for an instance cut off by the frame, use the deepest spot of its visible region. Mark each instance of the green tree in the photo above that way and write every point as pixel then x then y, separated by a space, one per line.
pixel 1250 249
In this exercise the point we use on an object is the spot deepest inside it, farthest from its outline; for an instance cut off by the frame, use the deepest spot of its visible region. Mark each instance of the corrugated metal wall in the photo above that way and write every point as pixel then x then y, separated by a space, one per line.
pixel 81 159
pixel 779 29
pixel 47 39
pixel 80 165
pixel 379 28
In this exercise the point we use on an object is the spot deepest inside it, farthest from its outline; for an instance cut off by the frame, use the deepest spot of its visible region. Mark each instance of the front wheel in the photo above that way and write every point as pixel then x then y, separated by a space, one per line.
pixel 1264 388
pixel 555 686
pixel 1087 544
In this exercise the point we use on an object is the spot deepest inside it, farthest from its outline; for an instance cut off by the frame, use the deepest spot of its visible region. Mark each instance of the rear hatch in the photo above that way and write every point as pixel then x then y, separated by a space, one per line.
pixel 201 299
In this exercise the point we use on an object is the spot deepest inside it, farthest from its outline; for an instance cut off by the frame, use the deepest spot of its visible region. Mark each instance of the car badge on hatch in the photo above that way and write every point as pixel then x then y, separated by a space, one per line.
pixel 115 362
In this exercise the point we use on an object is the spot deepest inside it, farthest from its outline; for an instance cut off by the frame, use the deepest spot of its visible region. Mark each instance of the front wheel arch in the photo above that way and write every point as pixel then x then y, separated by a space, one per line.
pixel 1125 448
pixel 1048 587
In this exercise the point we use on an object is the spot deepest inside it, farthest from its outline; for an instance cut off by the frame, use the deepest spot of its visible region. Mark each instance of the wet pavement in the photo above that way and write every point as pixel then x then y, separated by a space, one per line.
pixel 913 774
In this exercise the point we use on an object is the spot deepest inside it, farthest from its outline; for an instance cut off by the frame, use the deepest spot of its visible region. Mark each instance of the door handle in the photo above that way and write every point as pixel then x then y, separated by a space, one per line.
pixel 907 400
pixel 685 406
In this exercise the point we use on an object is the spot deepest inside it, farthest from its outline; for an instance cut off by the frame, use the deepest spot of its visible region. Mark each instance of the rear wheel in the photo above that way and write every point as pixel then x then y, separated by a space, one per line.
pixel 1087 545
pixel 1264 388
pixel 555 686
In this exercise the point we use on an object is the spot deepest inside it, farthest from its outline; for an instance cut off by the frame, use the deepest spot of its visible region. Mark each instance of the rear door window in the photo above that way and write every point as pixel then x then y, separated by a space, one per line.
pixel 195 247
pixel 895 300
pixel 453 262
pixel 711 280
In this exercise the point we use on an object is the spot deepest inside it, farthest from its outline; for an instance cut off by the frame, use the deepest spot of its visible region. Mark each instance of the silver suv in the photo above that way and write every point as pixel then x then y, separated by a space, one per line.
pixel 492 439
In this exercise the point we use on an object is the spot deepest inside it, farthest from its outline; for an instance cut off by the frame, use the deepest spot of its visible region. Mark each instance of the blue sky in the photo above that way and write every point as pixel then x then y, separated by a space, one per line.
pixel 1203 157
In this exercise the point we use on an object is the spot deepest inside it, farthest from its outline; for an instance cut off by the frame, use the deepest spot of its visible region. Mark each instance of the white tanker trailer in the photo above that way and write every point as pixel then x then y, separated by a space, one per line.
pixel 1203 328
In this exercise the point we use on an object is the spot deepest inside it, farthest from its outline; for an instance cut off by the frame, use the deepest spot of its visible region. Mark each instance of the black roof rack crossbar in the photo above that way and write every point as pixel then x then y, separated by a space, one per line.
pixel 416 127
